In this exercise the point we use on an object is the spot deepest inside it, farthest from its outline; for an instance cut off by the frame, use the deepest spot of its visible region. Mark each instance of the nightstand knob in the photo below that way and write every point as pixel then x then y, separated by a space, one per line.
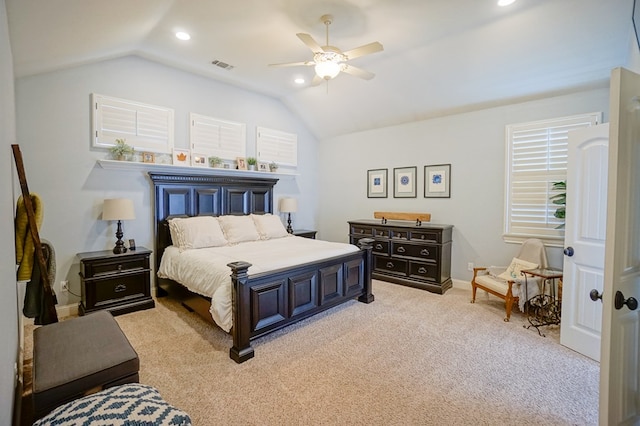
pixel 119 288
pixel 389 264
pixel 422 270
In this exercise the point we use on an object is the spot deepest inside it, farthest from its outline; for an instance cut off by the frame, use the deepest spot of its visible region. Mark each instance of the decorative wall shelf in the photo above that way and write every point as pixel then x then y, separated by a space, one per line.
pixel 155 167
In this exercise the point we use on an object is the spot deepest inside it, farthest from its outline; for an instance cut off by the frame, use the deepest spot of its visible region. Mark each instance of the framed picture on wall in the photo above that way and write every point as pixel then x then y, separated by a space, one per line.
pixel 437 181
pixel 181 157
pixel 377 183
pixel 404 182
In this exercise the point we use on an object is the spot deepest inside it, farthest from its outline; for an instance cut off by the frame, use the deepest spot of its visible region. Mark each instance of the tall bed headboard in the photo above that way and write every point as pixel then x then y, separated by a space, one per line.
pixel 181 195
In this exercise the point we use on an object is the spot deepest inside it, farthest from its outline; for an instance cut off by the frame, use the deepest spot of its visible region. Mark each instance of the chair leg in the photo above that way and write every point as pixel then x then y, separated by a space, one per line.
pixel 473 292
pixel 508 307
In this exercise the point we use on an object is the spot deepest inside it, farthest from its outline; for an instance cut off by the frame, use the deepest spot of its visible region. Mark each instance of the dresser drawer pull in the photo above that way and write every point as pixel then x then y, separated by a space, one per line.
pixel 362 231
pixel 378 246
pixel 422 270
pixel 119 288
pixel 401 249
pixel 119 267
pixel 424 252
pixel 389 264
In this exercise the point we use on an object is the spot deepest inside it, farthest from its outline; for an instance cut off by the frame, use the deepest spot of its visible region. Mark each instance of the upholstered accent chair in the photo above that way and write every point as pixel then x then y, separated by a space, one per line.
pixel 508 283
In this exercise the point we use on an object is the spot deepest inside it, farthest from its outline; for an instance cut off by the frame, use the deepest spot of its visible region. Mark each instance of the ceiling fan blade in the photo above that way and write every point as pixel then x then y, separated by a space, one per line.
pixel 294 64
pixel 310 42
pixel 364 50
pixel 357 72
pixel 317 80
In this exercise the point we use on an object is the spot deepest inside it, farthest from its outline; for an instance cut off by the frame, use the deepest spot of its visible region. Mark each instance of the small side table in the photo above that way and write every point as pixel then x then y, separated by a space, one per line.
pixel 119 283
pixel 543 309
pixel 306 233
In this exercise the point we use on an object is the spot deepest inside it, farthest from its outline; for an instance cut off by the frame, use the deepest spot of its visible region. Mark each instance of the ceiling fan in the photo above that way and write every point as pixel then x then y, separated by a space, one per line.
pixel 329 61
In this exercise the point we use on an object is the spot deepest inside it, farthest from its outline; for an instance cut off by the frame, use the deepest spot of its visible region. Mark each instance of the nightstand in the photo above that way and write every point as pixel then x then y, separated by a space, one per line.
pixel 119 283
pixel 307 233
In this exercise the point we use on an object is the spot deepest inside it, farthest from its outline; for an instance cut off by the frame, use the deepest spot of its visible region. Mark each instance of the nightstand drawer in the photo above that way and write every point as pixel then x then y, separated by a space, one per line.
pixel 110 267
pixel 115 290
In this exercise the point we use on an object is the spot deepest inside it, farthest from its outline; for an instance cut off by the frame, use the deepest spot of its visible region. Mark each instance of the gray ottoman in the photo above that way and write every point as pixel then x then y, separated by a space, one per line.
pixel 78 357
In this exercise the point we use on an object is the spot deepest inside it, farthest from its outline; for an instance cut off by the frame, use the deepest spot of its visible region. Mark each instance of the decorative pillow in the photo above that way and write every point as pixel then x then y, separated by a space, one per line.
pixel 514 270
pixel 130 404
pixel 269 226
pixel 196 232
pixel 238 228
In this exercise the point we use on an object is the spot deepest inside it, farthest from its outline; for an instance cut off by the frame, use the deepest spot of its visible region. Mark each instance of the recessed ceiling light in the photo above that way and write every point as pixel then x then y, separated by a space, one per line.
pixel 183 36
pixel 299 80
pixel 505 2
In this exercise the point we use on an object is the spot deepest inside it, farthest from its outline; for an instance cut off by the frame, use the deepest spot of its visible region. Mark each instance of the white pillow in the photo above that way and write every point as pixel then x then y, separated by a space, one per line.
pixel 514 270
pixel 196 232
pixel 238 228
pixel 269 226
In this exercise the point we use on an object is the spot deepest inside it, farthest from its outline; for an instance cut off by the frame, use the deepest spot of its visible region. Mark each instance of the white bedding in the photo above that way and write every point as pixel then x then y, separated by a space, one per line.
pixel 205 271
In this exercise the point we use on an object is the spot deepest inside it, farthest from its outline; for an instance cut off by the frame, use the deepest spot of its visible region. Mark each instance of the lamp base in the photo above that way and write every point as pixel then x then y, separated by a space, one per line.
pixel 289 228
pixel 119 248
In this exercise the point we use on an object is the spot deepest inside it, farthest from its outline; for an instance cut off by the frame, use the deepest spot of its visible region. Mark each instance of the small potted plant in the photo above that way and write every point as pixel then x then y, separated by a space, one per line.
pixel 121 150
pixel 215 162
pixel 273 166
pixel 251 162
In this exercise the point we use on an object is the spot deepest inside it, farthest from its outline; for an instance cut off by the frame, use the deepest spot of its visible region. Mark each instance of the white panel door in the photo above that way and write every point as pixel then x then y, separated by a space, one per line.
pixel 585 232
pixel 620 361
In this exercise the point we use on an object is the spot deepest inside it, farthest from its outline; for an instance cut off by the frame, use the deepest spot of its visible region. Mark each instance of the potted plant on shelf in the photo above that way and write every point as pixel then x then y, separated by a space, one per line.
pixel 273 166
pixel 121 150
pixel 251 162
pixel 215 162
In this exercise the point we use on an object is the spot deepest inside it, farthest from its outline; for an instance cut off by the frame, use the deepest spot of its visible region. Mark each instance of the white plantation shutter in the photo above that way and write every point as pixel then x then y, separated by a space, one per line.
pixel 537 157
pixel 215 137
pixel 277 146
pixel 145 127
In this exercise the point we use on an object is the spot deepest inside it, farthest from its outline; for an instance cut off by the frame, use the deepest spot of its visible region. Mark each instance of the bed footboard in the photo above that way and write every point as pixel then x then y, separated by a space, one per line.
pixel 266 302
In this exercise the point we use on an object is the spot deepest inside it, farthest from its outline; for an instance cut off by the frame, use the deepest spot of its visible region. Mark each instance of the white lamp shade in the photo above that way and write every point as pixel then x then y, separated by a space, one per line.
pixel 118 209
pixel 288 205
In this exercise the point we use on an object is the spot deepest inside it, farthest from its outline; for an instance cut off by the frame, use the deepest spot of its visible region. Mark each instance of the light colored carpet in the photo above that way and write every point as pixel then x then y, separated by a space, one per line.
pixel 410 357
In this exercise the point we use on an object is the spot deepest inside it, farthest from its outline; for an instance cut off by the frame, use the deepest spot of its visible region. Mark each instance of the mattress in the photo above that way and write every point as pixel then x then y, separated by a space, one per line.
pixel 204 271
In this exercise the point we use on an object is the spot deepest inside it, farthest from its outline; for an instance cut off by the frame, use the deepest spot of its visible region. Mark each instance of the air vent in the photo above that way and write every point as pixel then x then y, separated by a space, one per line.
pixel 222 65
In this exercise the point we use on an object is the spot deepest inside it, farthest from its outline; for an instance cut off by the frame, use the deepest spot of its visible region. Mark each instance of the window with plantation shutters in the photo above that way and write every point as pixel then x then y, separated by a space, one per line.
pixel 145 127
pixel 536 158
pixel 217 137
pixel 277 146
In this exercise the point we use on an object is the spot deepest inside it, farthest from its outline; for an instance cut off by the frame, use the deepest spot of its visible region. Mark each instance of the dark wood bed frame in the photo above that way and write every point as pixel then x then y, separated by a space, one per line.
pixel 264 302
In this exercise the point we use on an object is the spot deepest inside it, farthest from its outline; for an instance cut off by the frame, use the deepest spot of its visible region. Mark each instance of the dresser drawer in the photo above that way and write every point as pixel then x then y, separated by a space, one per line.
pixel 381 247
pixel 108 291
pixel 422 251
pixel 360 230
pixel 381 233
pixel 425 271
pixel 433 236
pixel 399 234
pixel 388 264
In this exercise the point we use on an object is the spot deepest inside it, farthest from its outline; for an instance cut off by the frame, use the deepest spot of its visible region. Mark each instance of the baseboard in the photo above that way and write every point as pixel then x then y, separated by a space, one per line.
pixel 62 311
pixel 461 284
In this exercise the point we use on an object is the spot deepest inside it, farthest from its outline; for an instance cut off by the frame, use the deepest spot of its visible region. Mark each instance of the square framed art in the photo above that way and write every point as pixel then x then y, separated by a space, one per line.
pixel 404 182
pixel 181 157
pixel 437 181
pixel 377 183
pixel 198 160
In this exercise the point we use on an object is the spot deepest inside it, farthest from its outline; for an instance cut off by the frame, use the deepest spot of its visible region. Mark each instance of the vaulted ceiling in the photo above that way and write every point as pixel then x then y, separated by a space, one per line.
pixel 440 56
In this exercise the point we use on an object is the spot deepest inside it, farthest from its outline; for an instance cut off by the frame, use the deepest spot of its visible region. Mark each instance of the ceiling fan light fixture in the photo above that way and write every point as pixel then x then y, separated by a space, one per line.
pixel 327 69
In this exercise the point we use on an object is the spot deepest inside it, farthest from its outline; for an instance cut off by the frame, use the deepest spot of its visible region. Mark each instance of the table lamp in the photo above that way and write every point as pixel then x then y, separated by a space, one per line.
pixel 118 209
pixel 289 205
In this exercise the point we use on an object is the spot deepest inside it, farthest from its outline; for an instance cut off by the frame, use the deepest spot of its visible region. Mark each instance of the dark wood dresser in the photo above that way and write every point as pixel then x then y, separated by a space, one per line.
pixel 119 283
pixel 408 254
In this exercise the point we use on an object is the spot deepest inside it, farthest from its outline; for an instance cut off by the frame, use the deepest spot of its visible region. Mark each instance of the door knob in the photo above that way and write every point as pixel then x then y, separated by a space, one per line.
pixel 594 295
pixel 568 251
pixel 619 301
